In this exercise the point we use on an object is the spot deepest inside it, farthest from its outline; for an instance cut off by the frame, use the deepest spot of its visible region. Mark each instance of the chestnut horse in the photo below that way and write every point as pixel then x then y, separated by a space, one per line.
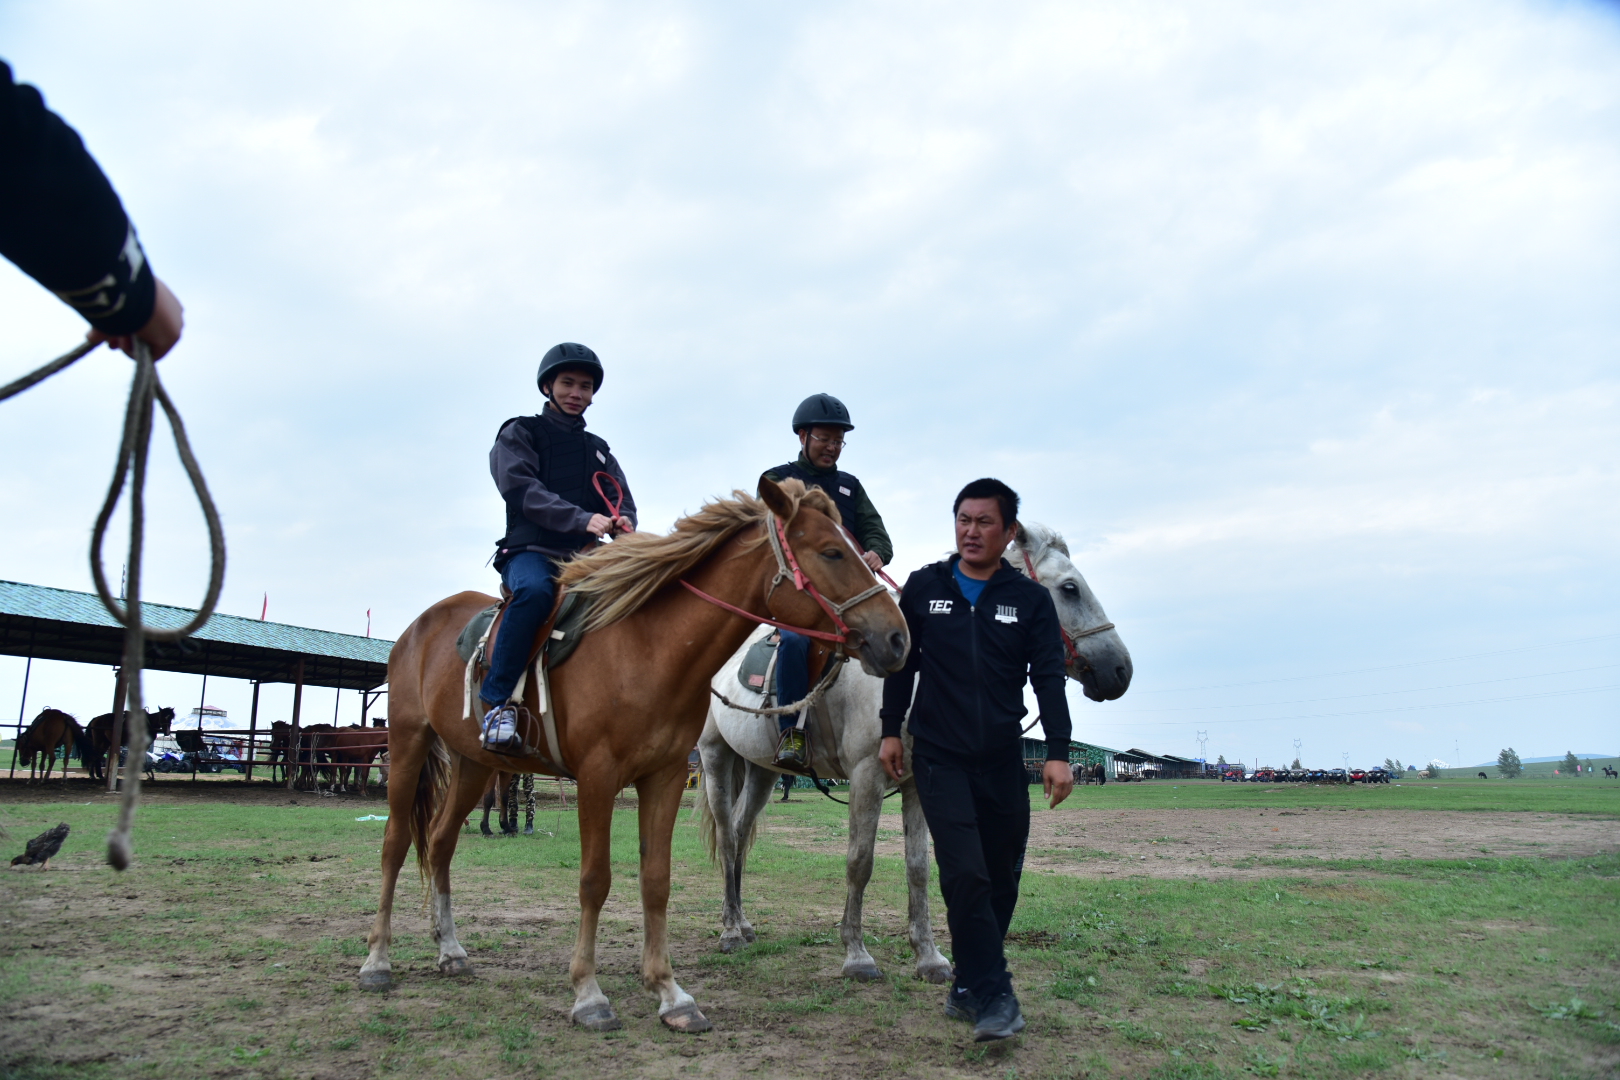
pixel 51 729
pixel 629 705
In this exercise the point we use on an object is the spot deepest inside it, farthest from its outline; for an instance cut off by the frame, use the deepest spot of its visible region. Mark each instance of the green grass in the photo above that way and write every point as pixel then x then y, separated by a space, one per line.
pixel 1340 969
pixel 1542 770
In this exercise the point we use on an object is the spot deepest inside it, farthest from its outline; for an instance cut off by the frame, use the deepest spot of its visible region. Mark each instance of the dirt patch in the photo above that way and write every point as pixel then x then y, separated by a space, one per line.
pixel 1230 843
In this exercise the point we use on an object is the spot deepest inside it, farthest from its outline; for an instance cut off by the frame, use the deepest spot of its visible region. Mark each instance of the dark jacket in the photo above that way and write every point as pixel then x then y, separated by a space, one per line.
pixel 543 516
pixel 860 516
pixel 973 661
pixel 61 221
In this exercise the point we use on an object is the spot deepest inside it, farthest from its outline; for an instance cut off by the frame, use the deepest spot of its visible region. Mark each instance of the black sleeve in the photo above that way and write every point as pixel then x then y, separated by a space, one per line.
pixel 61 221
pixel 898 686
pixel 1046 675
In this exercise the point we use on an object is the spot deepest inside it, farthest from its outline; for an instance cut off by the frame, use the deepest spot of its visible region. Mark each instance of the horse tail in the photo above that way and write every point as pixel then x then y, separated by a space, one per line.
pixel 706 829
pixel 431 784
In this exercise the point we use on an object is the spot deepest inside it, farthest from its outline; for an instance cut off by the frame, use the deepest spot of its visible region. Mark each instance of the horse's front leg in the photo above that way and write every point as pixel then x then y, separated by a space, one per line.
pixel 467 780
pixel 660 797
pixel 931 963
pixel 595 806
pixel 865 808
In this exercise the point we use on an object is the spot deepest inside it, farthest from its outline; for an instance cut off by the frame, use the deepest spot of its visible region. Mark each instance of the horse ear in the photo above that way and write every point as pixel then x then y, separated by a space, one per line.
pixel 775 498
pixel 1021 535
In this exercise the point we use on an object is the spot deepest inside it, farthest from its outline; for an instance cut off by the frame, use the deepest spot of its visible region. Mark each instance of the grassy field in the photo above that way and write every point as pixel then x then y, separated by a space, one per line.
pixel 1542 770
pixel 231 948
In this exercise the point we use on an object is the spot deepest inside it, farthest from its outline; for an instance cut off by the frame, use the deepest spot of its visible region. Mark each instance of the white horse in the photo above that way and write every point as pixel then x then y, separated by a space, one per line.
pixel 737 748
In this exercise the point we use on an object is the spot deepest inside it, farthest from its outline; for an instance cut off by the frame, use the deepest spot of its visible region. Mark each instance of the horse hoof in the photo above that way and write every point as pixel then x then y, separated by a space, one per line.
pixel 456 965
pixel 598 1018
pixel 938 974
pixel 375 981
pixel 749 935
pixel 686 1019
pixel 867 972
pixel 732 944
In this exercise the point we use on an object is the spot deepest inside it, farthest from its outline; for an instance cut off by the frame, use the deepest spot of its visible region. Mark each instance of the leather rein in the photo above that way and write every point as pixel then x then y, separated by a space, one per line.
pixel 788 569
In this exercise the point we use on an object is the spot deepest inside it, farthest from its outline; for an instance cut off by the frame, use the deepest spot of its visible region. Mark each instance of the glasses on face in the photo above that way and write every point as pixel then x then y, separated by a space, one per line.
pixel 828 442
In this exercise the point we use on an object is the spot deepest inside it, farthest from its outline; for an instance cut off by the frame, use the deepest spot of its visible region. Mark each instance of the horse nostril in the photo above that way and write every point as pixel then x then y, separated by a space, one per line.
pixel 897 642
pixel 1122 675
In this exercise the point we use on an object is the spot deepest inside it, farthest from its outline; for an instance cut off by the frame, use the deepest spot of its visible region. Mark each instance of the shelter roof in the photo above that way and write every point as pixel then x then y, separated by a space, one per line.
pixel 61 624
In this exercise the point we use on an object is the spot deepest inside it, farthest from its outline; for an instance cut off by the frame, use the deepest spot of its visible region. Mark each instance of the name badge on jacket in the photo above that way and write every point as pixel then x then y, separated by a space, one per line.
pixel 1006 614
pixel 940 607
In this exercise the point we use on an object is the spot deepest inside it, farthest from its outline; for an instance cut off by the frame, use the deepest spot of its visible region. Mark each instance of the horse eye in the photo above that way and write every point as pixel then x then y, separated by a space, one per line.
pixel 1071 587
pixel 832 553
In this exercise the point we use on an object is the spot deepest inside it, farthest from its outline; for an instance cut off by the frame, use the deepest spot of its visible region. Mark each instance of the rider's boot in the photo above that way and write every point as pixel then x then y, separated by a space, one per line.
pixel 500 730
pixel 793 751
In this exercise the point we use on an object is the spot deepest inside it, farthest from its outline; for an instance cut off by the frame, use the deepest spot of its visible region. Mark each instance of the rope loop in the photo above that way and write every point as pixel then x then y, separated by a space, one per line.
pixel 130 470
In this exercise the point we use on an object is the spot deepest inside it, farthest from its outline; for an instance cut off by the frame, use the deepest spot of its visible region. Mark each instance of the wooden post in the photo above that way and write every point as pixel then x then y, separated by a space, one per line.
pixel 253 730
pixel 120 691
pixel 201 704
pixel 22 710
pixel 295 752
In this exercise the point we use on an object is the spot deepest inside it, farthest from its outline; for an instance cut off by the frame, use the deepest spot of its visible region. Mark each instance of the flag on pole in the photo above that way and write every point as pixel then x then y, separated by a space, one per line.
pixel 368 622
pixel 265 610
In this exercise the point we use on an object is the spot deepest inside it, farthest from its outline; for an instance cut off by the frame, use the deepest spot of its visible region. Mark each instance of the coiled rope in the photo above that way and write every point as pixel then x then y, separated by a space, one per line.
pixel 130 469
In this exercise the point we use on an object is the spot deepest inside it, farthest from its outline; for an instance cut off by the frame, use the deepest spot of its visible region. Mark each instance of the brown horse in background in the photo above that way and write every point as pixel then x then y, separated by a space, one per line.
pixel 97 740
pixel 51 730
pixel 629 706
pixel 352 749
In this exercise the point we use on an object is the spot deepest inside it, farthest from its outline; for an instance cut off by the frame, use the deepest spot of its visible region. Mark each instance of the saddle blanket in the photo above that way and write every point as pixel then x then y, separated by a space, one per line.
pixel 565 633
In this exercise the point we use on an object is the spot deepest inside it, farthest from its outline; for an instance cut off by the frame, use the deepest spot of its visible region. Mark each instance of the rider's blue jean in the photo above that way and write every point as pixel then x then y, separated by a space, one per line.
pixel 533 580
pixel 792 674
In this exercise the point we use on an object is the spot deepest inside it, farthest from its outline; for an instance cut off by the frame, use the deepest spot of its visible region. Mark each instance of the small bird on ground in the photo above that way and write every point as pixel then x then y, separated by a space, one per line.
pixel 42 847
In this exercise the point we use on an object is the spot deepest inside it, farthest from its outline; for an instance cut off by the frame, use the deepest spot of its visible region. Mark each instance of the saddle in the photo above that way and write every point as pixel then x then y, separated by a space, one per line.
pixel 556 641
pixel 757 672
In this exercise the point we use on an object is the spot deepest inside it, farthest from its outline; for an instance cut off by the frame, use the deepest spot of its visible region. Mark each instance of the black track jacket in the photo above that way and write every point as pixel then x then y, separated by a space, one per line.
pixel 973 661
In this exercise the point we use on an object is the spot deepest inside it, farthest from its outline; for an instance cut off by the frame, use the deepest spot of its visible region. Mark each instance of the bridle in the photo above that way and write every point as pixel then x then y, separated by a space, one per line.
pixel 788 569
pixel 1072 653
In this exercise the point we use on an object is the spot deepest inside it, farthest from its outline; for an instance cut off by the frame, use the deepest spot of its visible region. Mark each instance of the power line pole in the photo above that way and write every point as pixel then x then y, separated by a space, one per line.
pixel 1202 738
pixel 1297 745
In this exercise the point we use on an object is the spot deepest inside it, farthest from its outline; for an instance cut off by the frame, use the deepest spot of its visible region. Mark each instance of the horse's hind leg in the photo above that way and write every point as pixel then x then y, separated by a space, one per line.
pixel 467 781
pixel 660 797
pixel 757 785
pixel 722 776
pixel 931 963
pixel 865 808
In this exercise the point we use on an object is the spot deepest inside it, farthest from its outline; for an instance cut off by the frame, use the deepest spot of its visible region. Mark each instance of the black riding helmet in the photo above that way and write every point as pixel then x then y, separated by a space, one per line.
pixel 821 410
pixel 568 356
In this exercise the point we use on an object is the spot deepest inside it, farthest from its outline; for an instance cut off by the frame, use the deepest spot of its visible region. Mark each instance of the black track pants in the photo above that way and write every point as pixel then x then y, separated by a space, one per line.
pixel 979 821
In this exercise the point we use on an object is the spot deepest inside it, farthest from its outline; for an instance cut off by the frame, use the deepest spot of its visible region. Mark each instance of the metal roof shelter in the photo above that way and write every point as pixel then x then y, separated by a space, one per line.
pixel 60 624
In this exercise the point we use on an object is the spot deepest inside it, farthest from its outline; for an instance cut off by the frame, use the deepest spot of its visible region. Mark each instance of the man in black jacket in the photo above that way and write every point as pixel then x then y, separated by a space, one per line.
pixel 979 628
pixel 544 467
pixel 62 224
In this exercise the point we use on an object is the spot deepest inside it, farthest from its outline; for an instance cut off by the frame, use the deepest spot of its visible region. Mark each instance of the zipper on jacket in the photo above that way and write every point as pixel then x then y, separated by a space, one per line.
pixel 973 639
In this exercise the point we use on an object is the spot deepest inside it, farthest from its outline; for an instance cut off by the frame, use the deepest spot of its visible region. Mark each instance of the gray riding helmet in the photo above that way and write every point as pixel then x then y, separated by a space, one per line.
pixel 568 355
pixel 821 410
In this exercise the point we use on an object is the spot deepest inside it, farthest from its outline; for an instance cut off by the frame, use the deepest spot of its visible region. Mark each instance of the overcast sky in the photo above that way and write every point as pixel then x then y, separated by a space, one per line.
pixel 1299 322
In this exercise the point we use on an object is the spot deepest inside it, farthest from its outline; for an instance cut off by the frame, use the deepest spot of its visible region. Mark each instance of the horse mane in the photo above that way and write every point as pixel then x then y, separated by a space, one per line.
pixel 619 578
pixel 1036 539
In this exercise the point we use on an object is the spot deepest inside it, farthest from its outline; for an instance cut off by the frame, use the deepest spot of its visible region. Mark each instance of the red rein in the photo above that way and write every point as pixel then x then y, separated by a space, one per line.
pixel 616 505
pixel 800 582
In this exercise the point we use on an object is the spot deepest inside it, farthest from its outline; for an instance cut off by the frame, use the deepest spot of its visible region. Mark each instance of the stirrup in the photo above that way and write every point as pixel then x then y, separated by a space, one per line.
pixel 797 758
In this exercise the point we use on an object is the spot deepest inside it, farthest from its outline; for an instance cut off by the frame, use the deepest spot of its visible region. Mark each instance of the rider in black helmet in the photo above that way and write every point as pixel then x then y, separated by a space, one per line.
pixel 543 466
pixel 821 422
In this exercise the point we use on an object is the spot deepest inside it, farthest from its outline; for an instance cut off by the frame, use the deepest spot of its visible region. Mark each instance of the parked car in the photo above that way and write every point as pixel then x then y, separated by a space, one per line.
pixel 1358 776
pixel 1265 775
pixel 1233 773
pixel 1337 776
pixel 1378 775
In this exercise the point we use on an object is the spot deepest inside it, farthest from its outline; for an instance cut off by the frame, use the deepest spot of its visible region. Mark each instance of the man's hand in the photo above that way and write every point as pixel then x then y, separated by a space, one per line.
pixel 873 560
pixel 893 756
pixel 1057 779
pixel 623 525
pixel 161 331
pixel 600 525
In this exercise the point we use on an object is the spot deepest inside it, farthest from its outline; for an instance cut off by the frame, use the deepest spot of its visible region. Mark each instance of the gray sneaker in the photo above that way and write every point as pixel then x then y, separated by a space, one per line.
pixel 1000 1018
pixel 500 730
